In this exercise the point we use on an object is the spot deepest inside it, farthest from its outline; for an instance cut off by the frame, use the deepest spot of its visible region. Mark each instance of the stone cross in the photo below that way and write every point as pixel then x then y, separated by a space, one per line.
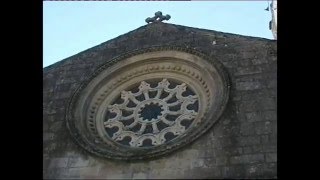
pixel 158 17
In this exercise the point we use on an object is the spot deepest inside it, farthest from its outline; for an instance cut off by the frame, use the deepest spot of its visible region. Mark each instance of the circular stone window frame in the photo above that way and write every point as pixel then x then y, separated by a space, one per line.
pixel 82 124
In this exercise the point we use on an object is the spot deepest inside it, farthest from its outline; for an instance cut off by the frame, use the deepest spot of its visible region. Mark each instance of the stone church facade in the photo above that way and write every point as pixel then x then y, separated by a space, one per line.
pixel 163 101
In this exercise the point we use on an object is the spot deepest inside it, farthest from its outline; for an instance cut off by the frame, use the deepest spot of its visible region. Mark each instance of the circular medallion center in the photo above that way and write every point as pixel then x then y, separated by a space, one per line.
pixel 150 111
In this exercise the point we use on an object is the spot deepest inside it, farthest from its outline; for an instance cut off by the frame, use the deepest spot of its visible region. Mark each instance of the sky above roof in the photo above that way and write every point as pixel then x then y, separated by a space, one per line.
pixel 70 27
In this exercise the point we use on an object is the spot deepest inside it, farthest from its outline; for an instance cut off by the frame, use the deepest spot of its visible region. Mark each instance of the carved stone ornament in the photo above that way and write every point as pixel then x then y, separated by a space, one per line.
pixel 158 17
pixel 148 103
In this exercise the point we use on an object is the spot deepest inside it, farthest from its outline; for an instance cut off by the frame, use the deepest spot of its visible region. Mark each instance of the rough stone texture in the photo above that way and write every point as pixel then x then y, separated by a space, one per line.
pixel 243 144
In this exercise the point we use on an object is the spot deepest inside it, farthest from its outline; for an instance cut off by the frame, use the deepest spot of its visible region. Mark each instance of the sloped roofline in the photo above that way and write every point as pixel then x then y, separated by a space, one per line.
pixel 166 24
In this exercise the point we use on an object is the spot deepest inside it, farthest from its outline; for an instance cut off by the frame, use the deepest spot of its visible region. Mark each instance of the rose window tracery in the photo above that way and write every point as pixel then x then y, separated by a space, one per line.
pixel 147 103
pixel 154 116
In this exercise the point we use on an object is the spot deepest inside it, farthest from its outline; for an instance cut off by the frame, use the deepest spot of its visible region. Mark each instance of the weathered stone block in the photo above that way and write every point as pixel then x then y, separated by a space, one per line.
pixel 254 116
pixel 269 104
pixel 240 71
pixel 247 158
pixel 249 140
pixel 209 162
pixel 139 176
pixel 247 150
pixel 48 136
pixel 272 83
pixel 247 129
pixel 271 157
pixel 58 163
pixel 56 126
pixel 264 127
pixel 203 173
pixel 259 60
pixel 264 148
pixel 221 161
pixel 244 86
pixel 78 162
pixel 254 170
pixel 231 172
pixel 269 115
pixel 198 163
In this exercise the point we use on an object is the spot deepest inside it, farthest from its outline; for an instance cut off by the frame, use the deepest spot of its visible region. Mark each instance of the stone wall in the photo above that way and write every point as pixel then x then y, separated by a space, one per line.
pixel 243 144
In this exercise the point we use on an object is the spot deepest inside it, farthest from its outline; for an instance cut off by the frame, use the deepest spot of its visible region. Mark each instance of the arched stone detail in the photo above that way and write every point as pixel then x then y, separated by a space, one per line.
pixel 97 119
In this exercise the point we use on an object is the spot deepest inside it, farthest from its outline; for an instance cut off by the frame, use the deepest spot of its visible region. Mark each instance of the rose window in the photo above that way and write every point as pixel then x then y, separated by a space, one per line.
pixel 152 115
pixel 148 103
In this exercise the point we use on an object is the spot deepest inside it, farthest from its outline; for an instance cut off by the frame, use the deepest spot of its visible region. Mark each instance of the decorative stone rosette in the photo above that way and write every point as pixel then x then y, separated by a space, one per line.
pixel 147 103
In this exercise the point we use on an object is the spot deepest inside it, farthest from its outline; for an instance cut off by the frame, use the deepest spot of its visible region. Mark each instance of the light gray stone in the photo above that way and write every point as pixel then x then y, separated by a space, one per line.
pixel 58 163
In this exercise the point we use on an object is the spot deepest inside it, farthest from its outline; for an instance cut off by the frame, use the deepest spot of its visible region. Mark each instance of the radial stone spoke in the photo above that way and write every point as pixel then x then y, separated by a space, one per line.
pixel 158 94
pixel 146 95
pixel 174 112
pixel 155 127
pixel 169 96
pixel 127 118
pixel 174 103
pixel 133 99
pixel 142 128
pixel 135 122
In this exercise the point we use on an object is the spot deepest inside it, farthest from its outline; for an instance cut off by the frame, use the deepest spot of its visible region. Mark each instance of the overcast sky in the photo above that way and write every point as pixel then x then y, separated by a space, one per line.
pixel 70 27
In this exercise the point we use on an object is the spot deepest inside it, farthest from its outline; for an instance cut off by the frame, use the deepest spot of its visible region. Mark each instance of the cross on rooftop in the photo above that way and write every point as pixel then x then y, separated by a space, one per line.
pixel 158 17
